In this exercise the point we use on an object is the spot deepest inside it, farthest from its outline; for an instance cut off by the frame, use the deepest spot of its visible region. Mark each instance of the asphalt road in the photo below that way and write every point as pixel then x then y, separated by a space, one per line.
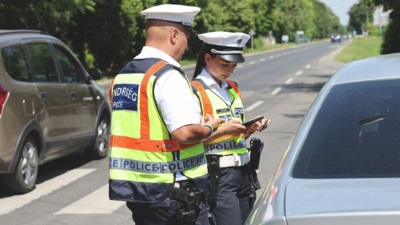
pixel 279 84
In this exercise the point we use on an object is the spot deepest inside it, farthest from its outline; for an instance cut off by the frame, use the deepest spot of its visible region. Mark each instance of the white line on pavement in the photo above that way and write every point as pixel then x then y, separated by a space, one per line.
pixel 255 105
pixel 95 203
pixel 288 81
pixel 299 73
pixel 11 203
pixel 276 91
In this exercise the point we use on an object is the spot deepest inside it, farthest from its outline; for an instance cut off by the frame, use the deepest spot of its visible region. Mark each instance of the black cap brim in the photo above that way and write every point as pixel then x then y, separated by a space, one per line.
pixel 237 58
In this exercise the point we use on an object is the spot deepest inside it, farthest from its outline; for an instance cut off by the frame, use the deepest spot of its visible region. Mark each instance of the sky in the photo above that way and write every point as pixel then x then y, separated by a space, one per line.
pixel 340 8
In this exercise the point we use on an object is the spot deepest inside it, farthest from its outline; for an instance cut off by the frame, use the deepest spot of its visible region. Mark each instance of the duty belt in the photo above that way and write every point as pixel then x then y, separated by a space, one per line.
pixel 157 167
pixel 234 160
pixel 221 146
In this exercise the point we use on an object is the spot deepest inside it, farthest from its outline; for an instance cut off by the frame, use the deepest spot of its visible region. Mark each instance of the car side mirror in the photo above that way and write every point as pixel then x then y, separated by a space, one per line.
pixel 95 73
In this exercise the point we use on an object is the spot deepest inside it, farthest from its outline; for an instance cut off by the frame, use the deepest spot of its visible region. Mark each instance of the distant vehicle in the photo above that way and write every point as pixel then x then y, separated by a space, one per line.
pixel 305 40
pixel 336 38
pixel 343 164
pixel 49 107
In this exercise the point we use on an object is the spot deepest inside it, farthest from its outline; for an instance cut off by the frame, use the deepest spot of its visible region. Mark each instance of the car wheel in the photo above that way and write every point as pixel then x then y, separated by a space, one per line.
pixel 23 180
pixel 99 149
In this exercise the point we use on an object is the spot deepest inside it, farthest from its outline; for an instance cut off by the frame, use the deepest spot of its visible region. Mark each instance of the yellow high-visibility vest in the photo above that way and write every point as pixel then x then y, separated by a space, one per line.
pixel 144 159
pixel 213 104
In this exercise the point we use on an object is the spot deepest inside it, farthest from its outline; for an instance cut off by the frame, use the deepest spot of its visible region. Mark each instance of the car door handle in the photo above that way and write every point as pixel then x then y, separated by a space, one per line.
pixel 73 95
pixel 43 95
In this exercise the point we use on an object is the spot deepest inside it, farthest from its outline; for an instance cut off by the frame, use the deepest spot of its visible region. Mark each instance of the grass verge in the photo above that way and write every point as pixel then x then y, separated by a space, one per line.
pixel 360 48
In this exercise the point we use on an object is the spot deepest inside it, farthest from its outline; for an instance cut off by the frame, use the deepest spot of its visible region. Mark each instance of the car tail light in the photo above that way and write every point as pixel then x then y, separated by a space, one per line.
pixel 3 98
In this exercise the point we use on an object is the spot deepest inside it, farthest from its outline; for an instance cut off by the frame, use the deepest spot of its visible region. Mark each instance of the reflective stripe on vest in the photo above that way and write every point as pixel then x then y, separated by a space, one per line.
pixel 147 145
pixel 151 167
pixel 225 145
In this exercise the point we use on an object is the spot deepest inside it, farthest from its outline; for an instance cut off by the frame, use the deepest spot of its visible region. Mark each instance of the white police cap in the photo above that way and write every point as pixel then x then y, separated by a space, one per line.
pixel 173 13
pixel 227 45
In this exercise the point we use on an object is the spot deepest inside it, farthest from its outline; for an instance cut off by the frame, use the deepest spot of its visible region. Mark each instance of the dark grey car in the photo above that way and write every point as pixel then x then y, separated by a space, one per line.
pixel 50 106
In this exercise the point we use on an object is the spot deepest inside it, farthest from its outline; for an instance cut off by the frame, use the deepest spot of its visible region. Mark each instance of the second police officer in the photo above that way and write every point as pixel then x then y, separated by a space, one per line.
pixel 232 193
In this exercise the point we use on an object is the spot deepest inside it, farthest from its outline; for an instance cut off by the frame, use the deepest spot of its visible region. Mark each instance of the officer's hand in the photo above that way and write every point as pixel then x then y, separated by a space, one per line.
pixel 213 122
pixel 264 124
pixel 258 126
pixel 232 127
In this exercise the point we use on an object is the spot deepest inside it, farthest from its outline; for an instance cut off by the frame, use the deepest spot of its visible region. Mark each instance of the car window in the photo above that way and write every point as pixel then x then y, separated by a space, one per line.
pixel 71 70
pixel 43 64
pixel 15 62
pixel 356 134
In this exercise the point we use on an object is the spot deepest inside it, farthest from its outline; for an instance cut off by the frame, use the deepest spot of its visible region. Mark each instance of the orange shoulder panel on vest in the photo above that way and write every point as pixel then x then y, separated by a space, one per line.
pixel 144 109
pixel 235 87
pixel 205 100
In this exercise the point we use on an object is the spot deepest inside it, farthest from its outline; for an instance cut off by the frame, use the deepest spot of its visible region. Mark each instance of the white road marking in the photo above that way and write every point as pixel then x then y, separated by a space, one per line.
pixel 299 73
pixel 255 105
pixel 95 203
pixel 288 81
pixel 11 203
pixel 252 62
pixel 276 91
pixel 308 66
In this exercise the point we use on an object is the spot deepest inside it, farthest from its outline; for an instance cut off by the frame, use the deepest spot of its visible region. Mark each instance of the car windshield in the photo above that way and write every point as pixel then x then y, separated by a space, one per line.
pixel 356 134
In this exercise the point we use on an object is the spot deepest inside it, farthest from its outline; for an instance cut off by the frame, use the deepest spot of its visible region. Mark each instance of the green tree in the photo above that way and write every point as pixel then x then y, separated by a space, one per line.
pixel 391 42
pixel 304 20
pixel 361 16
pixel 107 34
pixel 222 15
pixel 261 17
pixel 282 15
pixel 289 16
pixel 112 33
pixel 327 23
pixel 54 17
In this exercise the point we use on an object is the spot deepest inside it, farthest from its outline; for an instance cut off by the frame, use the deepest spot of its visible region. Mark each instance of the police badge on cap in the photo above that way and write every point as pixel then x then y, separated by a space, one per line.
pixel 227 45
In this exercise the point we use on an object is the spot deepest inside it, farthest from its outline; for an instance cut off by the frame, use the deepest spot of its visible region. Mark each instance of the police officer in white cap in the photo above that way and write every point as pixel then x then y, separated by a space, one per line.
pixel 157 160
pixel 232 196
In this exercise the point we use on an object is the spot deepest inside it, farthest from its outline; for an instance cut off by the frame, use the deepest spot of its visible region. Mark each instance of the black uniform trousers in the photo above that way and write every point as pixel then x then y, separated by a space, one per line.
pixel 165 211
pixel 162 213
pixel 234 202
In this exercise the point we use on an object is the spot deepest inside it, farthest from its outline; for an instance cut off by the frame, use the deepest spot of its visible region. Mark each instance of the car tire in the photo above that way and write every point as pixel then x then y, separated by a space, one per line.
pixel 99 148
pixel 23 180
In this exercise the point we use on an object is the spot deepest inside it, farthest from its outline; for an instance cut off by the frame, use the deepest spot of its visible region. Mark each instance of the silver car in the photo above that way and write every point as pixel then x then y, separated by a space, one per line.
pixel 49 107
pixel 343 164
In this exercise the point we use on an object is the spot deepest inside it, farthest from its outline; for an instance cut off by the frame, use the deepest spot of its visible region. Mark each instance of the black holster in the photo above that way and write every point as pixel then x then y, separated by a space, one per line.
pixel 188 198
pixel 213 177
pixel 256 146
